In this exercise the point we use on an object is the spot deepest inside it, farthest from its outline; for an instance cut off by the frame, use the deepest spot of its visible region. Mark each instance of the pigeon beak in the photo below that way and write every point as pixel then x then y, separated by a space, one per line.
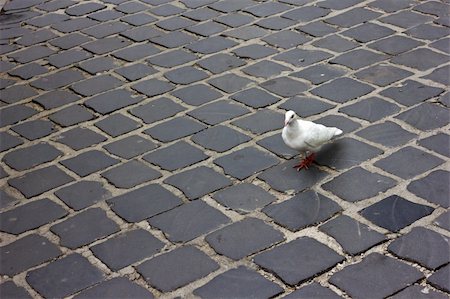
pixel 286 123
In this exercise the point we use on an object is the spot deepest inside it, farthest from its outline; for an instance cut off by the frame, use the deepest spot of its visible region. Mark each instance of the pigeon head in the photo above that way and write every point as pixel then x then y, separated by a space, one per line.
pixel 289 117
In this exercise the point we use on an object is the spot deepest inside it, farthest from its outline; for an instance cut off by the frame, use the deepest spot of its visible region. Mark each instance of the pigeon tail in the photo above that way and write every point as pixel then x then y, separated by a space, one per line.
pixel 337 132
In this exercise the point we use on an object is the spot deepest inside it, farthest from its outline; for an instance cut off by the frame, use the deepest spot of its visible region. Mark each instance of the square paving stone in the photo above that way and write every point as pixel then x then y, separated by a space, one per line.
pixel 284 86
pixel 185 75
pixel 439 279
pixel 68 57
pixel 84 8
pixel 358 59
pixel 207 29
pixel 143 203
pixel 230 83
pixel 395 44
pixel 39 181
pixel 35 129
pixel 112 100
pixel 136 71
pixel 371 109
pixel 275 23
pixel 261 122
pixel 105 15
pixel 298 260
pixel 197 95
pixel 164 157
pixel 166 10
pixel 442 44
pixel 175 128
pixel 8 141
pixel 153 87
pixel 99 64
pixel 17 93
pixel 172 58
pixel 89 162
pixel 173 39
pixel 96 85
pixel 141 33
pixel 127 248
pixel 136 52
pixel 345 153
pixel 83 194
pixel 433 188
pixel 246 162
pixel 198 182
pixel 6 200
pixel 255 97
pixel 304 209
pixel 276 145
pixel 31 53
pixel 419 292
pixel 29 157
pixel 131 7
pixel 82 274
pixel 368 32
pixel 84 228
pixel 306 14
pixel 246 283
pixel 394 213
pixel 319 73
pixel 246 32
pixel 27 252
pixel 211 45
pixel 285 178
pixel 130 174
pixel 79 138
pixel 177 268
pixel 106 29
pixel 305 106
pixel 375 274
pixel 286 39
pixel 364 184
pixel 353 17
pixel 406 19
pixel 105 45
pixel 71 40
pixel 355 237
pixel 244 198
pixel 58 79
pixel 13 114
pixel 342 90
pixel 428 32
pixel 188 221
pixel 317 29
pixel 388 134
pixel 265 69
pixel 30 216
pixel 220 138
pixel 267 9
pixel 254 51
pixel 157 110
pixel 231 5
pixel 71 115
pixel 9 290
pixel 174 23
pixel 382 75
pixel 218 112
pixel 220 63
pixel 389 6
pixel 28 71
pixel 421 59
pixel 119 287
pixel 117 124
pixel 411 93
pixel 336 43
pixel 440 75
pixel 399 163
pixel 200 13
pixel 437 143
pixel 314 290
pixel 432 7
pixel 426 116
pixel 423 246
pixel 243 238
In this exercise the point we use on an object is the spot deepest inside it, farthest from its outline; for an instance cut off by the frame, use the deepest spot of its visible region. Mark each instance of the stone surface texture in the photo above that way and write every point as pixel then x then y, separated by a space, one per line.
pixel 140 148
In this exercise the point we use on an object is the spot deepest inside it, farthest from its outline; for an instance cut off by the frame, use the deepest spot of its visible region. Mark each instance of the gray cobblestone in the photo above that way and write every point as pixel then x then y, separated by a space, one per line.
pixel 161 121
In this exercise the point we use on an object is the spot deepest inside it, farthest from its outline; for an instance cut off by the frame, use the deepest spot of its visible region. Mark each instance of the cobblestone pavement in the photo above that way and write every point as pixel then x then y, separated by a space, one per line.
pixel 142 157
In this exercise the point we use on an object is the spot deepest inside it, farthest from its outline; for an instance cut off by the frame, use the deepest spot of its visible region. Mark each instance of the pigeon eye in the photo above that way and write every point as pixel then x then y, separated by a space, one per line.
pixel 292 116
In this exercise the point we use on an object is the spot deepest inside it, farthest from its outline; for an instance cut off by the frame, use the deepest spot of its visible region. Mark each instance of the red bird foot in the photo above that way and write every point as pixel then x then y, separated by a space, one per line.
pixel 306 162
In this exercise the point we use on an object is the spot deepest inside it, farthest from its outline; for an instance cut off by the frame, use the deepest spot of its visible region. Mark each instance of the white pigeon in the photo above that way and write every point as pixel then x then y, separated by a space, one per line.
pixel 306 137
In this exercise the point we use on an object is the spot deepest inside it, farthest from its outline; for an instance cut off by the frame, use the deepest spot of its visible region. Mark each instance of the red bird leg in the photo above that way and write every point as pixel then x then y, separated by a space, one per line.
pixel 305 163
